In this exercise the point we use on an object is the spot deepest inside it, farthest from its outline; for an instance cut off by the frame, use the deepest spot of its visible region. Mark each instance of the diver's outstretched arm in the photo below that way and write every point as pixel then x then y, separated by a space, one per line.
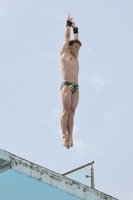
pixel 75 31
pixel 67 35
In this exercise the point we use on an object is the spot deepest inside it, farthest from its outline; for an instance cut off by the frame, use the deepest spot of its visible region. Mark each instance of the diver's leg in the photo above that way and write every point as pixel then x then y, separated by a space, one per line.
pixel 66 104
pixel 74 103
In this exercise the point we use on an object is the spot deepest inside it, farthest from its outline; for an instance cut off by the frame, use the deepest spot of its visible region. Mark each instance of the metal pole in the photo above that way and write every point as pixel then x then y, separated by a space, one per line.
pixel 92 177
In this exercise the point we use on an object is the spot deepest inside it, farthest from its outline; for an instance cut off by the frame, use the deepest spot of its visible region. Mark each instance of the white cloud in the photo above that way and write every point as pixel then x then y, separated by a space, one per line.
pixel 79 144
pixel 101 74
pixel 47 56
pixel 99 151
pixel 109 63
pixel 83 148
pixel 97 82
pixel 93 24
pixel 47 10
pixel 79 11
pixel 113 132
pixel 2 8
pixel 107 117
pixel 88 51
pixel 60 17
pixel 76 129
pixel 80 147
pixel 54 112
pixel 129 196
pixel 27 131
pixel 109 120
pixel 53 55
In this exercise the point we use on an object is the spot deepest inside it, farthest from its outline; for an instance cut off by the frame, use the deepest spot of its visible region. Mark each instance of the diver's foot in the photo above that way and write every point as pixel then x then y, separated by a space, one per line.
pixel 70 141
pixel 65 141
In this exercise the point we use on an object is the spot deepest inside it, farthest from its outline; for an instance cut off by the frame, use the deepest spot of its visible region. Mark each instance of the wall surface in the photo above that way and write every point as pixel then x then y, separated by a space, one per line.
pixel 15 185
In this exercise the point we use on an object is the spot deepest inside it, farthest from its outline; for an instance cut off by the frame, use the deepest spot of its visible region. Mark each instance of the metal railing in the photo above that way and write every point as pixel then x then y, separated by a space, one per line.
pixel 81 167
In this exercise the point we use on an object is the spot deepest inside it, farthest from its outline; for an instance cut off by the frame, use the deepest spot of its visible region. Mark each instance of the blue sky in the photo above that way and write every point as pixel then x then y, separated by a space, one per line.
pixel 31 36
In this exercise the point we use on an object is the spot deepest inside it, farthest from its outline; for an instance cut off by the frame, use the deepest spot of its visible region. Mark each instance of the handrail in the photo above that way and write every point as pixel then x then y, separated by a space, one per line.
pixel 78 168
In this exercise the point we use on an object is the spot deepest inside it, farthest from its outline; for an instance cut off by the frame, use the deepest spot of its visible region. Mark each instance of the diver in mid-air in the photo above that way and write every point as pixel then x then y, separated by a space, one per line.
pixel 69 87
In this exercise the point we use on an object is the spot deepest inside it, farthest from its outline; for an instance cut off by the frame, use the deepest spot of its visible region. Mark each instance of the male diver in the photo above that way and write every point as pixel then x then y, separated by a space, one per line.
pixel 69 87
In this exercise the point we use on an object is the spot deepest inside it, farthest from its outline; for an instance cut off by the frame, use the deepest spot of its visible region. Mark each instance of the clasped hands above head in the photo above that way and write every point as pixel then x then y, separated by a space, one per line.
pixel 70 19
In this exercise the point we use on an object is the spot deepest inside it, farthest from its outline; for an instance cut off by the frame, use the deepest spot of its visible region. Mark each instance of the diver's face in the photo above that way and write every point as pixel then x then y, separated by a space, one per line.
pixel 74 48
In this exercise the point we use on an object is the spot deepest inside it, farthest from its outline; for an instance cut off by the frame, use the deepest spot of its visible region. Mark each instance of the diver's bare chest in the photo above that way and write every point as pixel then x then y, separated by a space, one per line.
pixel 71 61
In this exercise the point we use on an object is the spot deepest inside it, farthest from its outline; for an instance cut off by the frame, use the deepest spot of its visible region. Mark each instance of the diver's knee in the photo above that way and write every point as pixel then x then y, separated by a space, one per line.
pixel 72 111
pixel 66 110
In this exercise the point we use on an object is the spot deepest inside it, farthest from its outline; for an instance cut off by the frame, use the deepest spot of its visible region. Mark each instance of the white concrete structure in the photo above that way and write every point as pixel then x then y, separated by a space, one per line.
pixel 51 178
